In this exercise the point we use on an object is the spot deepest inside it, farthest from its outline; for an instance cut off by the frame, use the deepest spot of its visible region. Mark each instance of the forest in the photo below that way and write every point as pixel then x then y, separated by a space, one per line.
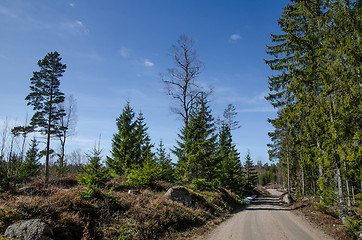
pixel 317 91
pixel 315 147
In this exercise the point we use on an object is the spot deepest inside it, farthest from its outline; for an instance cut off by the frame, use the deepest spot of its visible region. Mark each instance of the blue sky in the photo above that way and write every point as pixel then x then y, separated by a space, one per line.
pixel 116 50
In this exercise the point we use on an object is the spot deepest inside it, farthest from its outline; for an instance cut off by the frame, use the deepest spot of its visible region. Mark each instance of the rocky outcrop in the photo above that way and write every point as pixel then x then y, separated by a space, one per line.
pixel 33 229
pixel 182 195
pixel 287 199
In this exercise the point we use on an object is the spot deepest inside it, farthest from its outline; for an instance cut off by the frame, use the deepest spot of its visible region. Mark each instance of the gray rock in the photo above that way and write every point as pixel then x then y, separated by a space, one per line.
pixel 33 229
pixel 182 195
pixel 287 198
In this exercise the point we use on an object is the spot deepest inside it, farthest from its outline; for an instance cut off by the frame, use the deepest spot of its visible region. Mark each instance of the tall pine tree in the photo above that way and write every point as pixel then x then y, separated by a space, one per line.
pixel 45 96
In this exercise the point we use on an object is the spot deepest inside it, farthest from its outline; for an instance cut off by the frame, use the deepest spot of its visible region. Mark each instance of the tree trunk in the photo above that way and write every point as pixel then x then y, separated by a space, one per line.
pixel 11 164
pixel 314 183
pixel 62 156
pixel 303 183
pixel 47 154
pixel 288 164
pixel 347 187
pixel 320 176
pixel 340 189
pixel 23 148
pixel 48 138
pixel 348 194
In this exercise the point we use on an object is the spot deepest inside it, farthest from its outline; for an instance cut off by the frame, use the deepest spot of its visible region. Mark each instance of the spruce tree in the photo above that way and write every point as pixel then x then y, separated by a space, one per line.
pixel 31 166
pixel 131 146
pixel 95 175
pixel 295 90
pixel 182 166
pixel 164 162
pixel 143 141
pixel 125 148
pixel 197 149
pixel 230 169
pixel 45 96
pixel 249 171
pixel 145 169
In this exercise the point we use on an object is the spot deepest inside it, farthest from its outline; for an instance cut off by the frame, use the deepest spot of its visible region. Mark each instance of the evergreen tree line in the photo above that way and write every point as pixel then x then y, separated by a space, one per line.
pixel 206 156
pixel 316 88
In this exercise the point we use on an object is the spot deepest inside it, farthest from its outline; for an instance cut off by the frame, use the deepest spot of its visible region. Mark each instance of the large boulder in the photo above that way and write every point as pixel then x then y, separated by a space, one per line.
pixel 33 229
pixel 287 199
pixel 182 195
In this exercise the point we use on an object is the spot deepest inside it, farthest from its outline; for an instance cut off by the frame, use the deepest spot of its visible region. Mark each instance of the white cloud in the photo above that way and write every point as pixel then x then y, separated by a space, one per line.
pixel 73 5
pixel 80 26
pixel 125 52
pixel 148 63
pixel 235 37
pixel 76 27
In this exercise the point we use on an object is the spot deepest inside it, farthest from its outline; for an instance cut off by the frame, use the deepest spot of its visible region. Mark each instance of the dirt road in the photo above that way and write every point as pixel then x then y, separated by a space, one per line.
pixel 265 219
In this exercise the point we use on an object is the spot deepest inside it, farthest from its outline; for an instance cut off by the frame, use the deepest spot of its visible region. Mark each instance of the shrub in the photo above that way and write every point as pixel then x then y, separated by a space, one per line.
pixel 144 176
pixel 202 185
pixel 8 217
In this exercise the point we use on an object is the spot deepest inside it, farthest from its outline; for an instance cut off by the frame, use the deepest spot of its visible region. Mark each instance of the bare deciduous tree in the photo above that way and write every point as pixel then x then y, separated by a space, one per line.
pixel 180 80
pixel 66 126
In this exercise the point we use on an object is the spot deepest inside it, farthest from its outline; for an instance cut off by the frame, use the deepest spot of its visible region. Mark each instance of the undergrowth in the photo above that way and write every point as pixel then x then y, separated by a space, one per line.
pixel 328 219
pixel 113 213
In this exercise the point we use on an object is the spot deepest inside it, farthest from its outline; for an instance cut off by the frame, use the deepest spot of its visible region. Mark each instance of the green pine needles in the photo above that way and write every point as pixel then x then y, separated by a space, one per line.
pixel 196 149
pixel 45 97
pixel 31 165
pixel 131 145
pixel 95 175
pixel 317 90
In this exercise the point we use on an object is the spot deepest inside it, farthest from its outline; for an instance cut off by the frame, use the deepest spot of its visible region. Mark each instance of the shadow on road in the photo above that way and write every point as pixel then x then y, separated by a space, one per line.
pixel 267 209
pixel 266 203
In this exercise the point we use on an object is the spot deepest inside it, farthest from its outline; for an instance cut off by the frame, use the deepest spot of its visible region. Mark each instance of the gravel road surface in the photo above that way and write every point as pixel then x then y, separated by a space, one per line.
pixel 265 219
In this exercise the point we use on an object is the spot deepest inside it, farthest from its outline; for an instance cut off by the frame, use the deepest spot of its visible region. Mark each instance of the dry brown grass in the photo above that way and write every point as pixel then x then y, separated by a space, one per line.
pixel 115 215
